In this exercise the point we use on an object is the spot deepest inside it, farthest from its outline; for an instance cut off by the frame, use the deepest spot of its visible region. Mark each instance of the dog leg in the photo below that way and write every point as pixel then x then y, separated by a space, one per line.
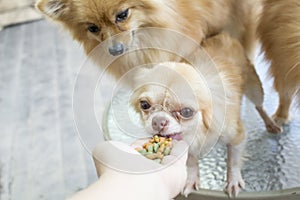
pixel 235 181
pixel 255 93
pixel 193 179
pixel 281 116
pixel 271 125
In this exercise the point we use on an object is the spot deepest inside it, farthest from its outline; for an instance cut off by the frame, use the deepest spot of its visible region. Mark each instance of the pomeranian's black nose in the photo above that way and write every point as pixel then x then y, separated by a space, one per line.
pixel 116 49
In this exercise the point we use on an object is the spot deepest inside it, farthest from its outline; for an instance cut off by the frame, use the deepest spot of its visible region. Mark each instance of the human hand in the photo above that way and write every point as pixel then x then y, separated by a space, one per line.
pixel 173 170
pixel 126 172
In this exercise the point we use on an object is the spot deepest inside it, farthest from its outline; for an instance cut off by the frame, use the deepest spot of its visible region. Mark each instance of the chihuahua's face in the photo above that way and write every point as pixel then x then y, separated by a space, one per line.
pixel 167 102
pixel 93 21
pixel 163 113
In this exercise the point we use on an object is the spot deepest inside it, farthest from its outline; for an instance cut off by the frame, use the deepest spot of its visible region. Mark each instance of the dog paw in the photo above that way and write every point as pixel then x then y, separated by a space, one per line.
pixel 274 128
pixel 190 186
pixel 234 186
pixel 280 121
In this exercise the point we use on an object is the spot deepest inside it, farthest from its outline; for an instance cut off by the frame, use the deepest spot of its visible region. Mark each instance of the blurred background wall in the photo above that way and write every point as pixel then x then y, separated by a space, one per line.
pixel 17 11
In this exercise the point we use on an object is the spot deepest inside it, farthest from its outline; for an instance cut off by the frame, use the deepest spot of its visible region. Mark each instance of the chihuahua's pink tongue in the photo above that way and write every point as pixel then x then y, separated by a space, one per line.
pixel 176 136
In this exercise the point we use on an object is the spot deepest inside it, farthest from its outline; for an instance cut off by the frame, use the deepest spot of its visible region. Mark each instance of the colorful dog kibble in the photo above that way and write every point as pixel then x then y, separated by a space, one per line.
pixel 156 148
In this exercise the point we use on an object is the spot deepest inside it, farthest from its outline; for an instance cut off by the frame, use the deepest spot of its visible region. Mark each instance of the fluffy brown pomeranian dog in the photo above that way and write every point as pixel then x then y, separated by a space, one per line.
pixel 124 24
pixel 190 103
pixel 279 31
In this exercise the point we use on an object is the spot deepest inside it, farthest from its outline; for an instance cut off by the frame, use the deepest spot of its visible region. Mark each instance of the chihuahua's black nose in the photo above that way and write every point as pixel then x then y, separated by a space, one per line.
pixel 159 123
pixel 116 49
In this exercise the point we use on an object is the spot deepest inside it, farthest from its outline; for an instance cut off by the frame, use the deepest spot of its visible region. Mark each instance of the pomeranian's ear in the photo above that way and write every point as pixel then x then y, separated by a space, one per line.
pixel 53 9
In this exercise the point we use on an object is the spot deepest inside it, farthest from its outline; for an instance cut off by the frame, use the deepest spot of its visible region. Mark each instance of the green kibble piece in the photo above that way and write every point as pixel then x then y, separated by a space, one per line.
pixel 155 147
pixel 143 152
pixel 157 160
pixel 150 148
pixel 167 151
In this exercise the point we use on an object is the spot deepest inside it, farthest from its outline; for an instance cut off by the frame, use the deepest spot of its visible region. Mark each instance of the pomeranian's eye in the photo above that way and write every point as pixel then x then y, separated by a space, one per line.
pixel 145 105
pixel 122 16
pixel 187 113
pixel 93 28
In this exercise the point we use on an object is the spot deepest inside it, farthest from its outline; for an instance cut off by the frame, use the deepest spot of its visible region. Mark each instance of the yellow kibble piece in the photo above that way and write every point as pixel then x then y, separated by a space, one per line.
pixel 138 149
pixel 168 144
pixel 156 139
pixel 162 139
pixel 161 148
pixel 151 156
pixel 147 144
pixel 160 155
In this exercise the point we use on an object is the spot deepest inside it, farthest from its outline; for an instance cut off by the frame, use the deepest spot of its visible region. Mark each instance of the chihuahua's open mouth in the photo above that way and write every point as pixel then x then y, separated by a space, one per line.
pixel 174 136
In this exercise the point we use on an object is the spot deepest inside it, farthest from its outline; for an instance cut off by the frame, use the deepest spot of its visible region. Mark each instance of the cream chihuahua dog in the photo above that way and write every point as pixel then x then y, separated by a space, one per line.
pixel 200 105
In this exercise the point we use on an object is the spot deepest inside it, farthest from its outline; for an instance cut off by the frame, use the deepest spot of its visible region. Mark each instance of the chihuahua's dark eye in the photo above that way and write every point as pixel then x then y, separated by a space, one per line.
pixel 122 16
pixel 93 28
pixel 187 113
pixel 145 105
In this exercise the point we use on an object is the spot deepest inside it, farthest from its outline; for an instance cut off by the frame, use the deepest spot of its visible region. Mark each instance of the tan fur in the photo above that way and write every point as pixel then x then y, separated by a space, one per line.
pixel 172 30
pixel 279 31
pixel 165 24
pixel 232 64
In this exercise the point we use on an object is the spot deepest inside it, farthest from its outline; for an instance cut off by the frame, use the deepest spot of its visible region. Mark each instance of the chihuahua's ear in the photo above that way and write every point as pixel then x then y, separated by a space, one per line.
pixel 53 9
